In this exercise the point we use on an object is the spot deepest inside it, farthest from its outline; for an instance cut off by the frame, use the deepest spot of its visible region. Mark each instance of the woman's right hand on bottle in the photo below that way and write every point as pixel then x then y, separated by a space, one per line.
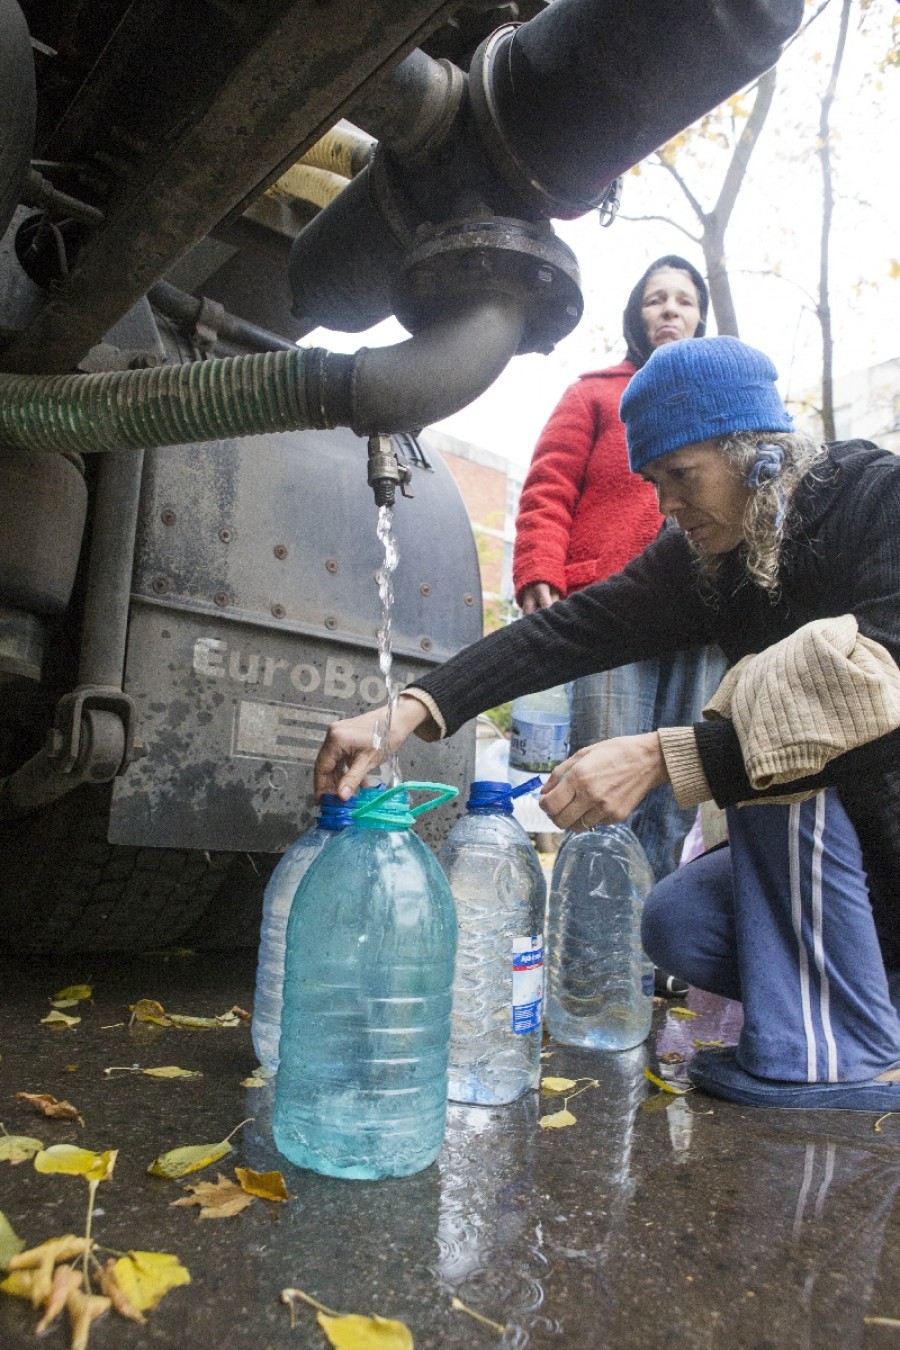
pixel 538 595
pixel 348 752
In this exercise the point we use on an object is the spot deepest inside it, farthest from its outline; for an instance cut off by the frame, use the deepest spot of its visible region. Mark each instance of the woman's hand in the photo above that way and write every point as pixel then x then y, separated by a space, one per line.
pixel 538 595
pixel 602 784
pixel 348 752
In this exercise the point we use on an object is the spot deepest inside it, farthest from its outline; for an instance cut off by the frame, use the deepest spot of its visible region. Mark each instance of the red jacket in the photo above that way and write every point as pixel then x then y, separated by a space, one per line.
pixel 583 514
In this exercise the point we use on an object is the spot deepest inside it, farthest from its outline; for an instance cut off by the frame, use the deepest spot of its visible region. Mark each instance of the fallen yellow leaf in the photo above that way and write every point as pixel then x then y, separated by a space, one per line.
pixel 219 1199
pixel 201 1023
pixel 708 1045
pixel 558 1121
pixel 657 1101
pixel 60 1020
pixel 10 1243
pixel 18 1148
pixel 41 1260
pixel 180 1162
pixel 354 1332
pixel 145 1277
pixel 171 1071
pixel 65 1279
pixel 556 1085
pixel 77 1162
pixel 19 1283
pixel 109 1283
pixel 84 1309
pixel 73 993
pixel 256 1080
pixel 148 1010
pixel 267 1185
pixel 684 1013
pixel 675 1088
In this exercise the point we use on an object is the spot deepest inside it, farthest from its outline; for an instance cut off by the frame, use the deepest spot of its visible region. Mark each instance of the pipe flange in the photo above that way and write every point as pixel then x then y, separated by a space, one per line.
pixel 460 260
pixel 535 194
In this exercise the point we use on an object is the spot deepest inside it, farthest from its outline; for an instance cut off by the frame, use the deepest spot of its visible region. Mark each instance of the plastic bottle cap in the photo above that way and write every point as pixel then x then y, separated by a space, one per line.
pixel 334 812
pixel 390 810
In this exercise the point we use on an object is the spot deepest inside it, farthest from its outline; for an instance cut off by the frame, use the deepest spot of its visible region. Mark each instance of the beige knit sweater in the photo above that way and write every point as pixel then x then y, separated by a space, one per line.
pixel 797 705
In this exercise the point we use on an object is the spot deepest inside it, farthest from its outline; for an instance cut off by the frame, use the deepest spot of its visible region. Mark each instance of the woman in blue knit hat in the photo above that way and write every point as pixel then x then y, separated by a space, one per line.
pixel 787 554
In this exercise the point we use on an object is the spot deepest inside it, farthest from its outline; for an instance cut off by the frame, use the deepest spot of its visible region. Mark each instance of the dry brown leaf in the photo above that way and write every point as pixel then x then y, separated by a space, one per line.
pixel 267 1185
pixel 49 1106
pixel 219 1199
pixel 109 1283
pixel 84 1309
pixel 65 1279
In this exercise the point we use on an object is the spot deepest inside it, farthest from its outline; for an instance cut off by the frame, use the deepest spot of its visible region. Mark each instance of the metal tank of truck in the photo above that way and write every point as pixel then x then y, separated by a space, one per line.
pixel 187 497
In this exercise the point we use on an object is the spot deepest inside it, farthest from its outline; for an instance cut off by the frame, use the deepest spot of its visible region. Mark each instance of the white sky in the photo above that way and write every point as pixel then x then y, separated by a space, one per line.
pixel 775 228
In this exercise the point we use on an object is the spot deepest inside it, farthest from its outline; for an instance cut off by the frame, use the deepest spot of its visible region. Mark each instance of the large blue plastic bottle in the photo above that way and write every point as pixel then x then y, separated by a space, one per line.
pixel 265 1029
pixel 599 982
pixel 500 894
pixel 361 1090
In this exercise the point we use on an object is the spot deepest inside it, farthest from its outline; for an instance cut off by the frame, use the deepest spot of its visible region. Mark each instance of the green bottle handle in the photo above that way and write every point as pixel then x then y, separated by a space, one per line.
pixel 444 791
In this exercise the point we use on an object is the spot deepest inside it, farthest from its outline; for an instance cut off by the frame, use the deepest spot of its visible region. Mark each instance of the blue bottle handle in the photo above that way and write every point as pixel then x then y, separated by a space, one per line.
pixel 444 791
pixel 530 786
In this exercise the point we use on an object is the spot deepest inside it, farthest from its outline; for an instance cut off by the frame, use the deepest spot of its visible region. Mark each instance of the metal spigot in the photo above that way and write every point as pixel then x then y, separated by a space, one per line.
pixel 386 471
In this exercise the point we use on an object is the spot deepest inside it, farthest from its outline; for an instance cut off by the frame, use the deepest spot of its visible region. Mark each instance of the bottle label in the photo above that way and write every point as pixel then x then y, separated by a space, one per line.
pixel 538 745
pixel 527 983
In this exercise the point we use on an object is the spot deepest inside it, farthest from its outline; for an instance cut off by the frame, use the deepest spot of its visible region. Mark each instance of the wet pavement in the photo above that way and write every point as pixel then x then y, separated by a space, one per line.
pixel 653 1220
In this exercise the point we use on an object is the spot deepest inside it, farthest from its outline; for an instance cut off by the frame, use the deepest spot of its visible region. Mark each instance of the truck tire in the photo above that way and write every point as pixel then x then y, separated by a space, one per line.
pixel 17 107
pixel 64 888
pixel 231 921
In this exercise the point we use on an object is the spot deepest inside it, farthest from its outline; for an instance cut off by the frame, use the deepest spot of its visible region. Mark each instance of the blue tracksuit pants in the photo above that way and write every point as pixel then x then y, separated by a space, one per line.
pixel 781 920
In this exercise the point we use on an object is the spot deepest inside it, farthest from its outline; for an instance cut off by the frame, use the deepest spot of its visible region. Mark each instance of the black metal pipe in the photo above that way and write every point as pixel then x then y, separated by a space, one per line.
pixel 413 108
pixel 17 106
pixel 442 369
pixel 184 309
pixel 588 88
pixel 105 625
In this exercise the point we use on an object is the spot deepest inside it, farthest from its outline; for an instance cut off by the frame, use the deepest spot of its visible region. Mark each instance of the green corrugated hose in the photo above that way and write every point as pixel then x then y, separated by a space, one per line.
pixel 165 405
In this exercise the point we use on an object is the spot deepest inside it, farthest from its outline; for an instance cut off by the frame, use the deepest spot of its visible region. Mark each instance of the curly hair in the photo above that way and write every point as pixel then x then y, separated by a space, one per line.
pixel 767 516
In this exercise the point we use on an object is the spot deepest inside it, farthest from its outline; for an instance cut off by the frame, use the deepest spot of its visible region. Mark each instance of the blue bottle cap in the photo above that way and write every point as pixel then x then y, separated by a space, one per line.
pixel 485 795
pixel 334 813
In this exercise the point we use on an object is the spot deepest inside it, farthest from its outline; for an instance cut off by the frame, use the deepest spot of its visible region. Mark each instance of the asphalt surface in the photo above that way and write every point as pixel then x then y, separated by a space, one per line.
pixel 655 1220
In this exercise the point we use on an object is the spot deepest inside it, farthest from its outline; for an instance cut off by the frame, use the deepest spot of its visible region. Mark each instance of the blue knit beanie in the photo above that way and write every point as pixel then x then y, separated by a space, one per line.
pixel 696 389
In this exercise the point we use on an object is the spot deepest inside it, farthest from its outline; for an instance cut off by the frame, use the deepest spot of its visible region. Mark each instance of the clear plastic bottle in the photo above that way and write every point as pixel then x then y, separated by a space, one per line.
pixel 361 1090
pixel 599 982
pixel 500 894
pixel 265 1029
pixel 539 736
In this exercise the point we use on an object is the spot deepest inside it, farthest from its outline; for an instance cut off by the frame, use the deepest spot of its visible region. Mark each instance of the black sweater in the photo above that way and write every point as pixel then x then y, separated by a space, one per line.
pixel 842 556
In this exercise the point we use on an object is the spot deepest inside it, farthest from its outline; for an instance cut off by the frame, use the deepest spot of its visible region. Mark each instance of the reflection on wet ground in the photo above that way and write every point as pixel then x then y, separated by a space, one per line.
pixel 653 1219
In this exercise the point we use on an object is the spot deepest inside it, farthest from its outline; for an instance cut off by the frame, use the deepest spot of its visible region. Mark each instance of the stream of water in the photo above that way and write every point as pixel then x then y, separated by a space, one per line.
pixel 381 737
